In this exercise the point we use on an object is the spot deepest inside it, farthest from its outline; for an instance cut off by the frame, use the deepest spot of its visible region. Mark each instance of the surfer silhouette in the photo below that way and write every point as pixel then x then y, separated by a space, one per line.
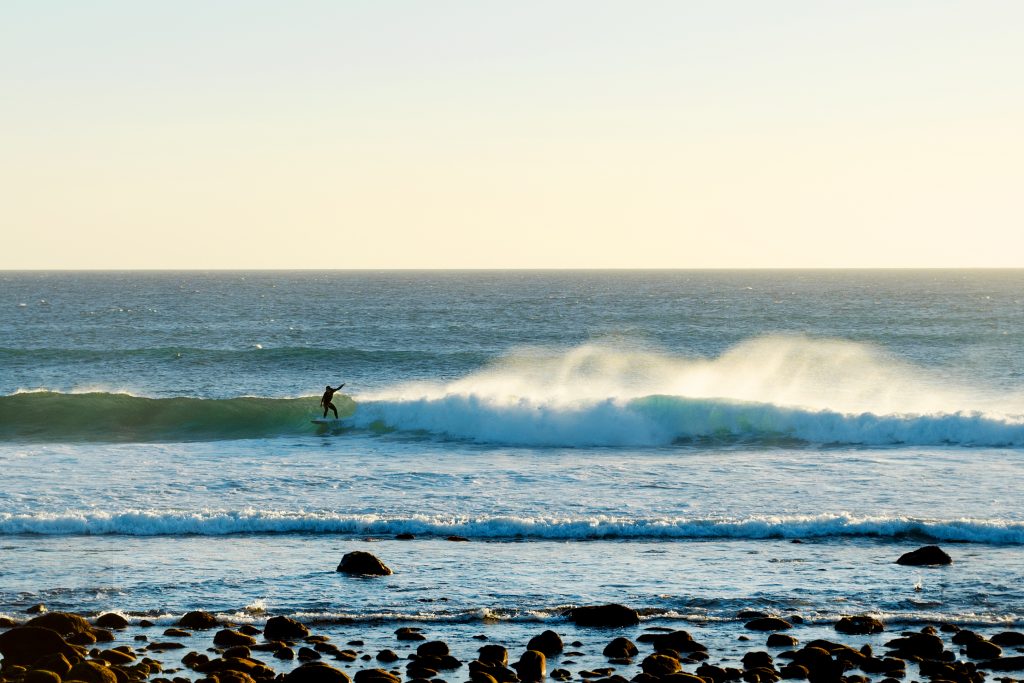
pixel 326 400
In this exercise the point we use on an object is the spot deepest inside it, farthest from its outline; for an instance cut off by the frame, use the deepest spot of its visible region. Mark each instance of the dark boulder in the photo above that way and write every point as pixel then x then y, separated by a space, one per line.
pixel 677 641
pixel 606 616
pixel 409 633
pixel 62 623
pixel 405 536
pixel 532 666
pixel 1004 664
pixel 285 653
pixel 548 642
pixel 111 620
pixel 376 676
pixel 40 676
pixel 781 640
pixel 362 563
pixel 91 672
pixel 433 648
pixel 316 672
pixel 859 625
pixel 928 555
pixel 480 671
pixel 917 645
pixel 57 663
pixel 768 624
pixel 494 654
pixel 27 644
pixel 1008 639
pixel 660 665
pixel 36 609
pixel 983 649
pixel 387 656
pixel 756 660
pixel 7 622
pixel 228 638
pixel 198 620
pixel 177 633
pixel 283 628
pixel 966 636
pixel 620 648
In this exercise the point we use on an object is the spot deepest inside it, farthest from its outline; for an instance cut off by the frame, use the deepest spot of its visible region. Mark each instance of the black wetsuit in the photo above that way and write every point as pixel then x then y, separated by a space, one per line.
pixel 326 401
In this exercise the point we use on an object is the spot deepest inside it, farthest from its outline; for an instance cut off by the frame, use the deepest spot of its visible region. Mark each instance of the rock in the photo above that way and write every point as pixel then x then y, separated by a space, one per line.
pixel 756 659
pixel 434 648
pixel 917 645
pixel 316 672
pixel 1004 664
pixel 781 640
pixel 249 630
pixel 246 666
pixel 57 663
pixel 532 666
pixel 678 677
pixel 198 620
pixel 117 656
pixel 928 555
pixel 362 563
pixel 164 645
pixel 284 653
pixel 376 676
pixel 751 614
pixel 91 672
pixel 678 641
pixel 768 624
pixel 63 623
pixel 561 675
pixel 966 636
pixel 660 665
pixel 1008 639
pixel 36 609
pixel 983 649
pixel 84 638
pixel 387 656
pixel 228 638
pixel 111 620
pixel 493 654
pixel 619 648
pixel 146 623
pixel 859 625
pixel 40 676
pixel 794 672
pixel 234 677
pixel 307 654
pixel 283 628
pixel 102 635
pixel 409 633
pixel 548 642
pixel 457 539
pixel 405 536
pixel 7 622
pixel 27 644
pixel 604 616
pixel 177 633
pixel 237 652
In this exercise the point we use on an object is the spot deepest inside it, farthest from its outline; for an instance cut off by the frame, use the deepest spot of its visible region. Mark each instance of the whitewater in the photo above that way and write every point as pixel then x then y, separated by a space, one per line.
pixel 690 443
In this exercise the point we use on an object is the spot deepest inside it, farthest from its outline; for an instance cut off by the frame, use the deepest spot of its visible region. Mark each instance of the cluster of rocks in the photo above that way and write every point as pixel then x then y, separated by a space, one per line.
pixel 64 648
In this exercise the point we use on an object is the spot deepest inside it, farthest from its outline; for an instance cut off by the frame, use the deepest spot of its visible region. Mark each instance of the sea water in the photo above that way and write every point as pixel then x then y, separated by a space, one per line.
pixel 691 444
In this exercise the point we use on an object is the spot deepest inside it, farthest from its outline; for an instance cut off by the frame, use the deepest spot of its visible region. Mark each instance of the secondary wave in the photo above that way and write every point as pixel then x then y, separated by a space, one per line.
pixel 225 522
pixel 51 416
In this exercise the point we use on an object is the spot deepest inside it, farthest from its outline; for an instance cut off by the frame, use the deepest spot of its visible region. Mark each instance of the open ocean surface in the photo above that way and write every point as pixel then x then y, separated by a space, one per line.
pixel 653 438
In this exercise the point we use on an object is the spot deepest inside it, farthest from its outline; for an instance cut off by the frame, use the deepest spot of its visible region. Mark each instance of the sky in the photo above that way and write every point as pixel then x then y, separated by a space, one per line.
pixel 515 134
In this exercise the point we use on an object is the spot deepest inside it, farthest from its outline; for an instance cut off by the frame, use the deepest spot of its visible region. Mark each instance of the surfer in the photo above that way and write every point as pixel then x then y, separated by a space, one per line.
pixel 326 400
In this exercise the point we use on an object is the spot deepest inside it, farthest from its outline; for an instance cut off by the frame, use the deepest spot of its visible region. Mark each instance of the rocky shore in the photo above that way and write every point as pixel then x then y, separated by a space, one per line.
pixel 59 647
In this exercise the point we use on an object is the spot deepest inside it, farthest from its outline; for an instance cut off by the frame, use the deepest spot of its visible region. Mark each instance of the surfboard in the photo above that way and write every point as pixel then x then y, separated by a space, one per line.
pixel 327 421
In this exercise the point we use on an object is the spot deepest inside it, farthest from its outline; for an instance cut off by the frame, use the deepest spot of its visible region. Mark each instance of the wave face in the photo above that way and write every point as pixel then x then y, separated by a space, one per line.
pixel 51 416
pixel 770 390
pixel 223 523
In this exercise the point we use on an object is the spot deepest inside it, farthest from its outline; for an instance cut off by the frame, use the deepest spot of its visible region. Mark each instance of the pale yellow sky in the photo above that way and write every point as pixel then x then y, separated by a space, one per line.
pixel 499 134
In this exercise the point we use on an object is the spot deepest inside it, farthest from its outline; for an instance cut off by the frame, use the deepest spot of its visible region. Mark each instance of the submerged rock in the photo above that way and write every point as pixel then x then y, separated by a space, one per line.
pixel 859 625
pixel 928 555
pixel 362 563
pixel 768 624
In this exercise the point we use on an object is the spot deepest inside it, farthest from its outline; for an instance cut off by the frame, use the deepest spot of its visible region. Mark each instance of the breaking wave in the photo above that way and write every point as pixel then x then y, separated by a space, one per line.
pixel 223 523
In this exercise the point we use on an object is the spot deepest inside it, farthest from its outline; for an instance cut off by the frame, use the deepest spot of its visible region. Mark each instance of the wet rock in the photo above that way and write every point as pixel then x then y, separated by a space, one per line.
pixel 117 656
pixel 1004 664
pixel 283 628
pixel 561 674
pixel 362 563
pixel 409 633
pixel 387 656
pixel 40 676
pixel 62 623
pixel 164 645
pixel 177 633
pixel 111 620
pixel 376 676
pixel 36 609
pixel 404 537
pixel 316 672
pixel 768 624
pixel 757 659
pixel 966 636
pixel 677 641
pixel 1008 639
pixel 285 653
pixel 237 652
pixel 307 654
pixel 620 648
pixel 532 666
pixel 607 616
pixel 917 645
pixel 751 614
pixel 886 665
pixel 146 623
pixel 348 656
pixel 660 665
pixel 714 673
pixel 91 672
pixel 228 638
pixel 7 622
pixel 457 539
pixel 27 644
pixel 494 654
pixel 681 677
pixel 983 649
pixel 781 640
pixel 929 555
pixel 482 672
pixel 198 620
pixel 102 635
pixel 859 625
pixel 548 642
pixel 246 666
pixel 434 648
pixel 249 630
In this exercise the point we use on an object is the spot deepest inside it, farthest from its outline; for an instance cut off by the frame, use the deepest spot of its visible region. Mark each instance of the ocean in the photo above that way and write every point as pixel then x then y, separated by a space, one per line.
pixel 691 444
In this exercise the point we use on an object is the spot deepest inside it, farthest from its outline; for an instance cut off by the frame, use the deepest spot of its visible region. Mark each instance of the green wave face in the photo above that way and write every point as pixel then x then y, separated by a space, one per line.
pixel 50 416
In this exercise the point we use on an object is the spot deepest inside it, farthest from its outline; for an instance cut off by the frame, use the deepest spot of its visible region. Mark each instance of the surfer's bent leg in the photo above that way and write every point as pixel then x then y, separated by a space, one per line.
pixel 331 406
